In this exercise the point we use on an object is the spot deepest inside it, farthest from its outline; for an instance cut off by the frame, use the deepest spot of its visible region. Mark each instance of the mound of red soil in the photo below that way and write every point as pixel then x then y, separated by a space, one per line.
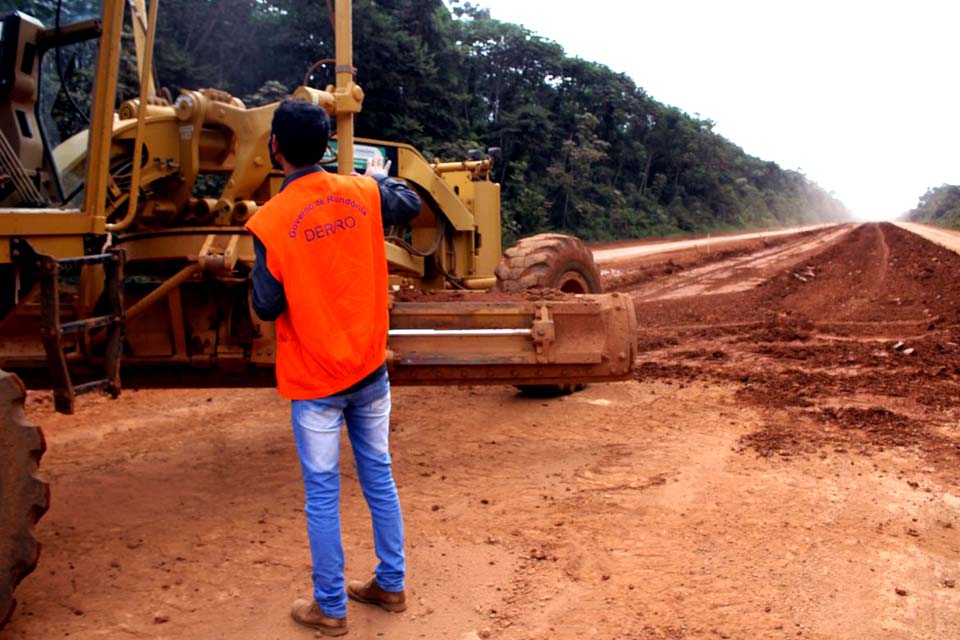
pixel 856 344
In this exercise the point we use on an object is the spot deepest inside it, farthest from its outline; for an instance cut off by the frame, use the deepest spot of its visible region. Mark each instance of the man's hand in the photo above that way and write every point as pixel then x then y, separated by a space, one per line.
pixel 376 168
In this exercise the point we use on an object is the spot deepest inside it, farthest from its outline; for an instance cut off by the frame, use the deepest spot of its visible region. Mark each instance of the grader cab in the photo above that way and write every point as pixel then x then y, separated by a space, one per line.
pixel 122 251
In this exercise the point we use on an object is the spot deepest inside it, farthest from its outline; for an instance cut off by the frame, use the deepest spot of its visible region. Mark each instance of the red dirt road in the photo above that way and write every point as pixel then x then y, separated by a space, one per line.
pixel 781 468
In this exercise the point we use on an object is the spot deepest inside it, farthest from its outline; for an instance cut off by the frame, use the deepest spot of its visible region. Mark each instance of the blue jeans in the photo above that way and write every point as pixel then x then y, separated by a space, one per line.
pixel 316 427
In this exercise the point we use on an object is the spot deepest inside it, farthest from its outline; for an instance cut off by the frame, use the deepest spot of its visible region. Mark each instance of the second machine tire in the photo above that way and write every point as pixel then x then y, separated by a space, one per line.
pixel 549 261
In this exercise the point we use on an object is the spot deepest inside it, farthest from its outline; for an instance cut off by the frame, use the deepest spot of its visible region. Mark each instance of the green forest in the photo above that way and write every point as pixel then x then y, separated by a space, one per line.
pixel 940 205
pixel 584 149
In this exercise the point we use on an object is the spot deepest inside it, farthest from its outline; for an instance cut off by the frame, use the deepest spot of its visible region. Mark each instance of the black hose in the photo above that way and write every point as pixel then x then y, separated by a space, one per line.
pixel 406 246
pixel 119 239
pixel 456 282
pixel 59 66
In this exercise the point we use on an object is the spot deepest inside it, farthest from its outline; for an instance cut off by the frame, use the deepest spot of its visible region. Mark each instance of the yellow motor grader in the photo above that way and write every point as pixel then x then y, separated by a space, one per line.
pixel 117 255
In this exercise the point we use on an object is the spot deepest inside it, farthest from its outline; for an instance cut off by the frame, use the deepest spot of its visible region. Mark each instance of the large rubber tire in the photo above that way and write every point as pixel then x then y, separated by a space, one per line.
pixel 24 498
pixel 549 261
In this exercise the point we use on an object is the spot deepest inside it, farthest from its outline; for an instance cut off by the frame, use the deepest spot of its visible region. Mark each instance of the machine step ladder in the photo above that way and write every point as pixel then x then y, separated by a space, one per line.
pixel 52 330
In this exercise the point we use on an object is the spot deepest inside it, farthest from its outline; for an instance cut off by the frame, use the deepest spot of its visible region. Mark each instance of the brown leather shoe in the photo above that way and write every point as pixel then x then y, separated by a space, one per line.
pixel 369 592
pixel 308 613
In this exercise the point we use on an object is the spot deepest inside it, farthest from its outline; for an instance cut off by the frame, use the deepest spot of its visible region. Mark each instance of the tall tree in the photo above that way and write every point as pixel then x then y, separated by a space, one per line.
pixel 583 149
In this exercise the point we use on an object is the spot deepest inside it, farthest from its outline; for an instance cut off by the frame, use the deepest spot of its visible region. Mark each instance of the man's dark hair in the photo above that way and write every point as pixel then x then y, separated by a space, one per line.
pixel 301 130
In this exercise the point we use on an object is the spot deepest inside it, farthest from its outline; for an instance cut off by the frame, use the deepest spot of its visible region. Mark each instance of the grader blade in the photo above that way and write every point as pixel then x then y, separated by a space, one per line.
pixel 573 340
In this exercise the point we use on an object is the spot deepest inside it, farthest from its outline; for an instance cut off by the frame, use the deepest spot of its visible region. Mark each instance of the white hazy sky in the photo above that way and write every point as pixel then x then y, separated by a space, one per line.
pixel 862 97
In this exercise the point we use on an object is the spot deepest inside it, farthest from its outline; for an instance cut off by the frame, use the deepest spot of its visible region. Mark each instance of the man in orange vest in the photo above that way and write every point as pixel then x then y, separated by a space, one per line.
pixel 321 274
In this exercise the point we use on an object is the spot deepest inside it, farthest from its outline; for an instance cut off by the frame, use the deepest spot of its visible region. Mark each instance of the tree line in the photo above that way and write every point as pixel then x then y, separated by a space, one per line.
pixel 584 149
pixel 939 205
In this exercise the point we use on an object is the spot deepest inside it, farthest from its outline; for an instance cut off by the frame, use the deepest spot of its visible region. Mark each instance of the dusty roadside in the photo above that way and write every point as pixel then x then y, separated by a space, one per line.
pixel 779 469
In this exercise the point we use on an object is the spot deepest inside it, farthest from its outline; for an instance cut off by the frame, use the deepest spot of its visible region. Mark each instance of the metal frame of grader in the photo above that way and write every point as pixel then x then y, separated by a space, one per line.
pixel 155 219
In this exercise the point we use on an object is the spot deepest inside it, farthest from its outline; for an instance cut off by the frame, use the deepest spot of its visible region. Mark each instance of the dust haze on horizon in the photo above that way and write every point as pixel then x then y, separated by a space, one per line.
pixel 859 96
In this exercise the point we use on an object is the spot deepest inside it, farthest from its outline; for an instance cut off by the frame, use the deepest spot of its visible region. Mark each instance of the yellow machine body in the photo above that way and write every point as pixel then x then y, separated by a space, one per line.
pixel 186 259
pixel 123 250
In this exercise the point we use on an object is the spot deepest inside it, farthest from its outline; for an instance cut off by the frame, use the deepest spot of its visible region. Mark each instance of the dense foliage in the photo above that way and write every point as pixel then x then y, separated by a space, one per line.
pixel 584 149
pixel 940 205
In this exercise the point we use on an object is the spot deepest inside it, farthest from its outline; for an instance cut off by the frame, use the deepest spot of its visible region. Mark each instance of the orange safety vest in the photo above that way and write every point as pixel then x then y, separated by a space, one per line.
pixel 324 239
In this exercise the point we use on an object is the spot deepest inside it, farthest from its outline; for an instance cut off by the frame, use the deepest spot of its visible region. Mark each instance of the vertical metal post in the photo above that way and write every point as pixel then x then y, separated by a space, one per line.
pixel 138 10
pixel 345 85
pixel 52 335
pixel 146 84
pixel 101 121
pixel 113 269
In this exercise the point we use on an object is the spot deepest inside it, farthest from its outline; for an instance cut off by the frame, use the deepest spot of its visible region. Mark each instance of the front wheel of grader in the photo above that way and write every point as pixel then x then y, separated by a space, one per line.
pixel 24 498
pixel 549 261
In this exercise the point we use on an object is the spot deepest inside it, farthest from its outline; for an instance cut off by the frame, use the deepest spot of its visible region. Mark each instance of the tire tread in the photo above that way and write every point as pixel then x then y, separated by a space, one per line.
pixel 24 497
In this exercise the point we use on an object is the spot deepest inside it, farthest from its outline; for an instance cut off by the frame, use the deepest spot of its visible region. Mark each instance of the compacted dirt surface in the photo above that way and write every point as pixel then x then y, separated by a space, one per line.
pixel 784 465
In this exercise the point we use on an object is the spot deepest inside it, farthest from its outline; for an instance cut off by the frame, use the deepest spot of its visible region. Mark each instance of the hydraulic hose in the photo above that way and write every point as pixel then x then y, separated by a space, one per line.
pixel 146 65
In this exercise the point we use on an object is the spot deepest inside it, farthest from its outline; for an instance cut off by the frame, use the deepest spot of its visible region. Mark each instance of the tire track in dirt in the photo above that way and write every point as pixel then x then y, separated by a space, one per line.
pixel 738 273
pixel 633 274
